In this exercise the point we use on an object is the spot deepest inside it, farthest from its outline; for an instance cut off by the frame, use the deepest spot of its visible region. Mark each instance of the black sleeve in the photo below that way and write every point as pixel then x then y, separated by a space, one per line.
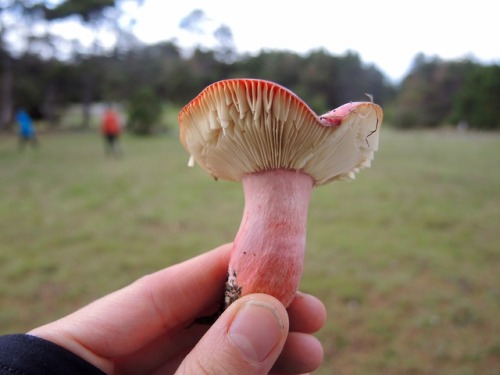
pixel 30 355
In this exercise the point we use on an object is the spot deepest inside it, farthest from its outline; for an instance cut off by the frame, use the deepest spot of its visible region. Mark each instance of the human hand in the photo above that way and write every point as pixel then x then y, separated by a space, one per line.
pixel 147 327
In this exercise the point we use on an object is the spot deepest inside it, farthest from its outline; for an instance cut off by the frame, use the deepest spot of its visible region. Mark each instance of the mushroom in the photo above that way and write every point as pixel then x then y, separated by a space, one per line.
pixel 262 134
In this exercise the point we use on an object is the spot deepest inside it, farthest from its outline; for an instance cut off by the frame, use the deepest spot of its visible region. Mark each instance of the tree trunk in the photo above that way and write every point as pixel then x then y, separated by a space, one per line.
pixel 6 92
pixel 48 106
pixel 86 101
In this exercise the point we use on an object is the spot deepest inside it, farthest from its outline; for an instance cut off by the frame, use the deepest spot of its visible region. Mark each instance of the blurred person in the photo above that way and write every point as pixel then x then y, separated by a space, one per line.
pixel 150 327
pixel 27 132
pixel 111 130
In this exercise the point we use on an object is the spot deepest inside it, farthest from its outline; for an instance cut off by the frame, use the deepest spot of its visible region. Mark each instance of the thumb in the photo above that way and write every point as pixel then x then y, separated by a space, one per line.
pixel 246 339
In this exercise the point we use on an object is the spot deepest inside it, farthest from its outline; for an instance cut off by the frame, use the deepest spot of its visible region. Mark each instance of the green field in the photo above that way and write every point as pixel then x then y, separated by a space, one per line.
pixel 406 258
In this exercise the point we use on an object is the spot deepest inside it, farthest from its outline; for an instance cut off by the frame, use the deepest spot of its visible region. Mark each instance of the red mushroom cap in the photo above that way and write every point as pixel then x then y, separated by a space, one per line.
pixel 240 126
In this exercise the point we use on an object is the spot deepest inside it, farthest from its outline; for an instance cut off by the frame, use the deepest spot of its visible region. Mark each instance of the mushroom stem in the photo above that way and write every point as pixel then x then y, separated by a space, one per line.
pixel 268 251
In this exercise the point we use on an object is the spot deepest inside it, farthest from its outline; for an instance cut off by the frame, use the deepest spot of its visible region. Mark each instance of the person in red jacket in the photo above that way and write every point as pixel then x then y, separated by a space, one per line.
pixel 111 130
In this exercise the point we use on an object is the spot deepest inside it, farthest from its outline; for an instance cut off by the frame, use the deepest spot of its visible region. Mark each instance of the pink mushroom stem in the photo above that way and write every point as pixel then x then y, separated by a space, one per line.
pixel 268 251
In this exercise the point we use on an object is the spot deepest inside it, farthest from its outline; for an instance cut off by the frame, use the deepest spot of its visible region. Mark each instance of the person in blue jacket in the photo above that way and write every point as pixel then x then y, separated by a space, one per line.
pixel 27 132
pixel 150 327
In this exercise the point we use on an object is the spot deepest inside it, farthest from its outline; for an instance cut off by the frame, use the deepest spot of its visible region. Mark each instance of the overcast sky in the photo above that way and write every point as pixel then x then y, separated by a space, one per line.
pixel 386 33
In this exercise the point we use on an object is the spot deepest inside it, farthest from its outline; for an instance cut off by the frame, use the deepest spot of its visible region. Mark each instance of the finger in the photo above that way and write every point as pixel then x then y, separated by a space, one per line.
pixel 167 350
pixel 126 320
pixel 302 353
pixel 307 313
pixel 246 340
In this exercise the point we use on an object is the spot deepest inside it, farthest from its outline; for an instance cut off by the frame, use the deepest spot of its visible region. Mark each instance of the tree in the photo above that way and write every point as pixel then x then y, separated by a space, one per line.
pixel 225 51
pixel 92 13
pixel 144 112
pixel 15 17
pixel 334 80
pixel 89 10
pixel 477 101
pixel 193 22
pixel 426 95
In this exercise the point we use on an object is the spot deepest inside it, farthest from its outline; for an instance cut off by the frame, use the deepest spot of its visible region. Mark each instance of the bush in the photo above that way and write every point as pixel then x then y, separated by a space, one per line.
pixel 144 113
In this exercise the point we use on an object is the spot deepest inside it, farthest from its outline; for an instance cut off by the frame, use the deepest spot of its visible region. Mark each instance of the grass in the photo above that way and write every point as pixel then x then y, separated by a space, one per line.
pixel 406 258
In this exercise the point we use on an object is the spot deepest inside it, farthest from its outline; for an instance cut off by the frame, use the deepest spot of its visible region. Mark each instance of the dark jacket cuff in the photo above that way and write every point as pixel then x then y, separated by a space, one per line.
pixel 29 355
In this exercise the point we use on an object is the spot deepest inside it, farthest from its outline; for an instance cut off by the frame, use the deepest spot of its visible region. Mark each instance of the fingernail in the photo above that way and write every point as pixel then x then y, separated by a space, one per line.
pixel 256 330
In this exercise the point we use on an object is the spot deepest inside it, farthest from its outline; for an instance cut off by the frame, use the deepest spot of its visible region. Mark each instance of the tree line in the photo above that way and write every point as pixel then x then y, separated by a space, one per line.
pixel 145 77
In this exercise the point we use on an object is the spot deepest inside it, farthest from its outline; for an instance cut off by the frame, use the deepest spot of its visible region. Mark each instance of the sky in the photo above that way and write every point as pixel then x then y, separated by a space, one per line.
pixel 385 33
